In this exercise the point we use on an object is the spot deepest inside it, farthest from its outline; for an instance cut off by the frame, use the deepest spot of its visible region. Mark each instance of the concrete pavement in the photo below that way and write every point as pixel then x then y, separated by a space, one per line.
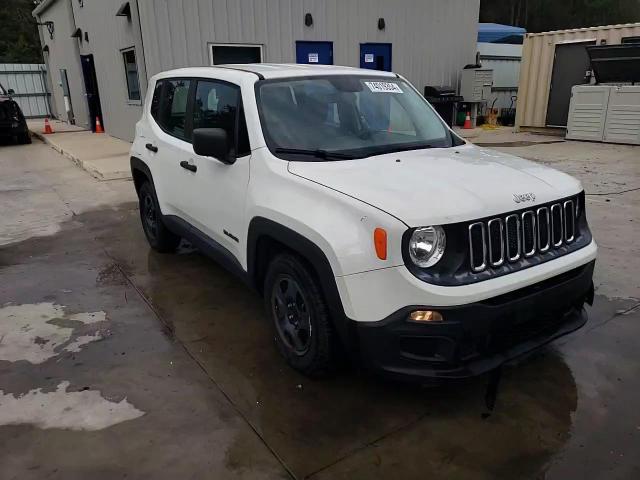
pixel 92 384
pixel 178 348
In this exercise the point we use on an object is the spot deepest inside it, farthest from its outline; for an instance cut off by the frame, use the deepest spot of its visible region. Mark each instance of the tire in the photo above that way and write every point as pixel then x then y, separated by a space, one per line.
pixel 158 235
pixel 299 315
pixel 24 139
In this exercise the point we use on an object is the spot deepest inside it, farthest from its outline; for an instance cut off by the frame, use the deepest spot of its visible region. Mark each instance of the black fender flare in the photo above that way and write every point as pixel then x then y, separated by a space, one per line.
pixel 139 165
pixel 312 253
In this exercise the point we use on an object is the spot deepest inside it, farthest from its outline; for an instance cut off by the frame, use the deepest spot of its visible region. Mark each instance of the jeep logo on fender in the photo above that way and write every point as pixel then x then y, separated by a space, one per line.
pixel 524 197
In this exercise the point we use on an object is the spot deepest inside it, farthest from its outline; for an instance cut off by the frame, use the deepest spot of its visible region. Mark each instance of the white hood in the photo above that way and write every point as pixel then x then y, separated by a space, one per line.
pixel 440 186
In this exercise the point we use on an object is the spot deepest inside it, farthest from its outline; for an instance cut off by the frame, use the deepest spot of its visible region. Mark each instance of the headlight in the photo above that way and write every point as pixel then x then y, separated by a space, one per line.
pixel 426 246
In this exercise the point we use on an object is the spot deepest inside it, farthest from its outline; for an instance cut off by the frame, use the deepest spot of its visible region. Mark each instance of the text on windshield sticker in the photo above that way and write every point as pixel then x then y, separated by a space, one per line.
pixel 383 87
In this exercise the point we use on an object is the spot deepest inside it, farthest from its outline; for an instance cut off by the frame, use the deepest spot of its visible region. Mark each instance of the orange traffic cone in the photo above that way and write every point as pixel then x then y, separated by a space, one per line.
pixel 467 122
pixel 47 127
pixel 99 128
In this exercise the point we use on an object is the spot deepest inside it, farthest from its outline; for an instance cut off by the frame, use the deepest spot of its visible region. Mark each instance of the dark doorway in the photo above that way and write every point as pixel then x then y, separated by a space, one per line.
pixel 314 52
pixel 375 56
pixel 570 65
pixel 91 88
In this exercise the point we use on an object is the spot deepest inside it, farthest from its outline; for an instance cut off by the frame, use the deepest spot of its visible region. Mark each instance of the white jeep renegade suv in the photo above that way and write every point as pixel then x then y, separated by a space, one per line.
pixel 367 225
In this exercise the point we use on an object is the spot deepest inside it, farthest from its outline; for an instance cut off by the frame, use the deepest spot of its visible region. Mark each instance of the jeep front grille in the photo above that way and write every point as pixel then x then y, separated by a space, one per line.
pixel 521 235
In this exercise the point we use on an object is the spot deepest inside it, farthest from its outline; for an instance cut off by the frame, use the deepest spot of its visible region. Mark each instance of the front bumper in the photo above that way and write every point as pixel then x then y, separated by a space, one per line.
pixel 477 337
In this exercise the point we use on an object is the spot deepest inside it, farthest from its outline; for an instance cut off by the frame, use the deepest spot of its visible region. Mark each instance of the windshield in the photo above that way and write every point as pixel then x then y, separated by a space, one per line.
pixel 341 117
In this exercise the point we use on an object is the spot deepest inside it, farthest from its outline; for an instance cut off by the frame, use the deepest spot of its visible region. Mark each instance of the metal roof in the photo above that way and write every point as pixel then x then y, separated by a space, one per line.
pixel 586 29
pixel 493 32
pixel 42 6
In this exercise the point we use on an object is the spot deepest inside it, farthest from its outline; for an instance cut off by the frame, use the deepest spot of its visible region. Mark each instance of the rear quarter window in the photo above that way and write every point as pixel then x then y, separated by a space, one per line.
pixel 169 106
pixel 155 101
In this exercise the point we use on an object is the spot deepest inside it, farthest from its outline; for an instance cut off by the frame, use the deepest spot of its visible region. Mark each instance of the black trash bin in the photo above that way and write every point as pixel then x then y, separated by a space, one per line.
pixel 444 100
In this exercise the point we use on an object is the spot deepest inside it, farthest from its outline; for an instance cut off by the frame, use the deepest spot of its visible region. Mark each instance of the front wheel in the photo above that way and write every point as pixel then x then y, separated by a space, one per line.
pixel 295 305
pixel 158 235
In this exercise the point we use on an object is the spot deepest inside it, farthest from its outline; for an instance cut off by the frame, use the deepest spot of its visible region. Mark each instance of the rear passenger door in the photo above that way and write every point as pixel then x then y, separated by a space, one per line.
pixel 219 190
pixel 170 143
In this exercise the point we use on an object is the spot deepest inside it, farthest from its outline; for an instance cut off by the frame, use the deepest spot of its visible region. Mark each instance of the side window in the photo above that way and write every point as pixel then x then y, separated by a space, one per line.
pixel 218 105
pixel 172 112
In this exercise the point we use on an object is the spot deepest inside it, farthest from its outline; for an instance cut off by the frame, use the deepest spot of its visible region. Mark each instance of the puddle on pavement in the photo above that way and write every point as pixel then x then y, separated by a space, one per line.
pixel 37 332
pixel 70 410
pixel 385 428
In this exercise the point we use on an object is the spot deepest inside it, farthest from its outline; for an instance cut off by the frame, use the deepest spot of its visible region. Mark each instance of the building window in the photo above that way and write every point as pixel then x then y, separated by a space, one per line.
pixel 235 53
pixel 131 73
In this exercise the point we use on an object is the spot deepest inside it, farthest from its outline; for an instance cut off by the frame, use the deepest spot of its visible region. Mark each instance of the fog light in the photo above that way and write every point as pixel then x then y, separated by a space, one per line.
pixel 426 316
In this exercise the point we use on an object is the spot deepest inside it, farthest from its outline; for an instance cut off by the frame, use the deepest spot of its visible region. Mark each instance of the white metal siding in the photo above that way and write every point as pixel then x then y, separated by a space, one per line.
pixel 431 40
pixel 28 82
pixel 587 112
pixel 504 60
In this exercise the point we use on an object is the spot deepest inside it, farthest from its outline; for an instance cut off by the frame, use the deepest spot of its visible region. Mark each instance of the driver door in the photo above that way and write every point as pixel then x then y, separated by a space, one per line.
pixel 221 188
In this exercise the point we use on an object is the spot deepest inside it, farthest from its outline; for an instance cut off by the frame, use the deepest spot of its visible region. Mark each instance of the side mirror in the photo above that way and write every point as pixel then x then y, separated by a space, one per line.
pixel 11 91
pixel 213 142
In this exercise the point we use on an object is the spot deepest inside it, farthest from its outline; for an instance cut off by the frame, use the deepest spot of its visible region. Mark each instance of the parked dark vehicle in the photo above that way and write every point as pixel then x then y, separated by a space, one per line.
pixel 12 121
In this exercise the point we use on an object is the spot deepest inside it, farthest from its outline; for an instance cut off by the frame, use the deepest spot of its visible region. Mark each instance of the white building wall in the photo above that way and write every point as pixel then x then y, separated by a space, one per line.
pixel 63 54
pixel 108 36
pixel 432 40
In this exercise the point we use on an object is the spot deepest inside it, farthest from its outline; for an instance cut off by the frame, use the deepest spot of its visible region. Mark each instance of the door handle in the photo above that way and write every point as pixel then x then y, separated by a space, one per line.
pixel 151 147
pixel 189 166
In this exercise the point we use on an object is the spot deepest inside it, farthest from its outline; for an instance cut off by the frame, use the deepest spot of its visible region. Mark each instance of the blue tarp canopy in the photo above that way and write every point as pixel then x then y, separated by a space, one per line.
pixel 494 32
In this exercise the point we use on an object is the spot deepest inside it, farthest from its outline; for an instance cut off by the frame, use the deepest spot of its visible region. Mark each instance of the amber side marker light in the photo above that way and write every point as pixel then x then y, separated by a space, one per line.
pixel 426 316
pixel 380 242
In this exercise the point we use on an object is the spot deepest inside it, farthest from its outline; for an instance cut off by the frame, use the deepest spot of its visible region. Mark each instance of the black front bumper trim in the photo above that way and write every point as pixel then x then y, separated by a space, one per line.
pixel 476 338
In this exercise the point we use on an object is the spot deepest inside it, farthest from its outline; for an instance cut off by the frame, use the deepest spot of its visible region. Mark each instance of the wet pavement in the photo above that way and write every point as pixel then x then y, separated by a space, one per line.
pixel 181 378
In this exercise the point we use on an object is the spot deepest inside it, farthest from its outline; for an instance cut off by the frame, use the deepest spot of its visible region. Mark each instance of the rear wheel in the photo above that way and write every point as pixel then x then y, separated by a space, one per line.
pixel 294 303
pixel 158 235
pixel 24 138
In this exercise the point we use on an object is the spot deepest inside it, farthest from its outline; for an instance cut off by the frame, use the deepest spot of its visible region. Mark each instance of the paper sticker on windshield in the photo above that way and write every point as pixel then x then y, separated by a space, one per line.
pixel 383 87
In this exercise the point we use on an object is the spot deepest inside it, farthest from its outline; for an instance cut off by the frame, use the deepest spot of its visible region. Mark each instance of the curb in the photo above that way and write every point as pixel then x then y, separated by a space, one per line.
pixel 87 166
pixel 468 134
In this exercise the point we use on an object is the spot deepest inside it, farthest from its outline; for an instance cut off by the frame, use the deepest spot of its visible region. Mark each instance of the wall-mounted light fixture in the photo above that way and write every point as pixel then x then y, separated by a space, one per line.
pixel 81 3
pixel 308 19
pixel 49 26
pixel 45 49
pixel 381 24
pixel 77 33
pixel 124 11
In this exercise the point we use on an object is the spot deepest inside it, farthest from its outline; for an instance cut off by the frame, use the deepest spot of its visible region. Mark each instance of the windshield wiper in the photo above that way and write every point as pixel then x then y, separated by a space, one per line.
pixel 318 153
